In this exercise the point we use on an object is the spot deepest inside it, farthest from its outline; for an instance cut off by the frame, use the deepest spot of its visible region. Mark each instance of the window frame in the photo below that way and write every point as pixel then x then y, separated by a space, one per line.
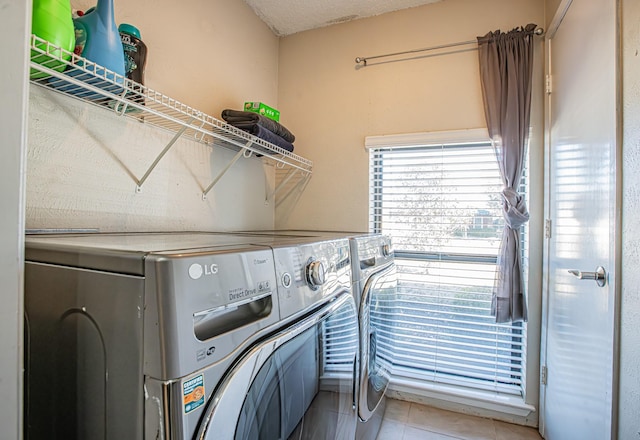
pixel 458 137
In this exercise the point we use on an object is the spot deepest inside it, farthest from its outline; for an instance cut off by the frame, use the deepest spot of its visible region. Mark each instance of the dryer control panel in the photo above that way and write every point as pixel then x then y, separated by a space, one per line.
pixel 369 253
pixel 309 274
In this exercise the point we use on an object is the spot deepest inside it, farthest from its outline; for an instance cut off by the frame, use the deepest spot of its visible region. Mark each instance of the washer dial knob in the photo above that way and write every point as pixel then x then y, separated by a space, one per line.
pixel 386 250
pixel 286 280
pixel 315 274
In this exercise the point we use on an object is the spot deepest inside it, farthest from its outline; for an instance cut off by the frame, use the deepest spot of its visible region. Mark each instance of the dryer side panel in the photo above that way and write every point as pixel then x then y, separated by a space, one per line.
pixel 83 353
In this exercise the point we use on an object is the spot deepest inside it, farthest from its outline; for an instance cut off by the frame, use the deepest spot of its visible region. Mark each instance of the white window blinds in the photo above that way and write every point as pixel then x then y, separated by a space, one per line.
pixel 441 205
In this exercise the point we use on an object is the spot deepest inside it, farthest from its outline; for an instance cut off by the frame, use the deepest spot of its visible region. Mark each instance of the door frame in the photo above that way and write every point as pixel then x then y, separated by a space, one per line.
pixel 15 29
pixel 616 282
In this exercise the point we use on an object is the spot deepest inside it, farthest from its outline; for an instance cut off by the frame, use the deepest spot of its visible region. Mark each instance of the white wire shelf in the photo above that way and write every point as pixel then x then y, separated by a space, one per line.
pixel 72 75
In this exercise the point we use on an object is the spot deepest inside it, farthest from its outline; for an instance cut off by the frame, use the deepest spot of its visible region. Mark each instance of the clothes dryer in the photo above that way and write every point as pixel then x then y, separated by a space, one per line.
pixel 375 291
pixel 188 335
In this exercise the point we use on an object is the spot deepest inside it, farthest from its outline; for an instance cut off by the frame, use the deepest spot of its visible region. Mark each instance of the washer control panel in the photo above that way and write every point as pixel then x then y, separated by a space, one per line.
pixel 309 274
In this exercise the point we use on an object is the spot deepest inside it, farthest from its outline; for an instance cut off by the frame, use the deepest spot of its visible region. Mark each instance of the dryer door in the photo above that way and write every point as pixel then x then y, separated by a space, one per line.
pixel 376 331
pixel 297 382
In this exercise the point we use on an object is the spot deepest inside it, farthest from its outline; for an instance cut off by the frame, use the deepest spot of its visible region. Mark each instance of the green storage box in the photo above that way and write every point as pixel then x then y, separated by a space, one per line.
pixel 262 109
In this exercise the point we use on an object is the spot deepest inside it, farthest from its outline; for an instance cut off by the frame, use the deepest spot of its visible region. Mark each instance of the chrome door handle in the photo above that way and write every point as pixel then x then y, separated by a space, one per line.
pixel 599 276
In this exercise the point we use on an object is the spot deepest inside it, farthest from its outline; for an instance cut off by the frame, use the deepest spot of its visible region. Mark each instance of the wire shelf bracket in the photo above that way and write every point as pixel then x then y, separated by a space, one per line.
pixel 160 156
pixel 299 186
pixel 304 178
pixel 239 154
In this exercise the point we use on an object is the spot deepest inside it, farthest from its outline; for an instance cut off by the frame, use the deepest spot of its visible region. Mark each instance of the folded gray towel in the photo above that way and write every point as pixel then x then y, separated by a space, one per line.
pixel 270 137
pixel 246 121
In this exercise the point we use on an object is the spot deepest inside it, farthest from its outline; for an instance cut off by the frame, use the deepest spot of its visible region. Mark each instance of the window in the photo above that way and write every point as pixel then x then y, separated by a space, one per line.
pixel 440 202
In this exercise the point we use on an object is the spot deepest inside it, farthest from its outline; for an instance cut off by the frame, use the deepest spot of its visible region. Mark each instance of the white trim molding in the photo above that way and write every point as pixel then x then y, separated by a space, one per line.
pixel 510 409
pixel 427 138
pixel 15 26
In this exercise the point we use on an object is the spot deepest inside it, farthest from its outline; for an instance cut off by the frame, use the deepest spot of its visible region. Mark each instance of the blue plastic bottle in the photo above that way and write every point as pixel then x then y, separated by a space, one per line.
pixel 98 40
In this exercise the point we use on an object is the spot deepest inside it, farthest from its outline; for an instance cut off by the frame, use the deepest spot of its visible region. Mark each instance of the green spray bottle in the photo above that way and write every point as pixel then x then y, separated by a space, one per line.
pixel 52 21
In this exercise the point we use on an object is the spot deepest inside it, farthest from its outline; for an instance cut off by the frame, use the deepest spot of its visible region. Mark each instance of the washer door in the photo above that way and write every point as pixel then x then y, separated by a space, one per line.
pixel 297 382
pixel 376 346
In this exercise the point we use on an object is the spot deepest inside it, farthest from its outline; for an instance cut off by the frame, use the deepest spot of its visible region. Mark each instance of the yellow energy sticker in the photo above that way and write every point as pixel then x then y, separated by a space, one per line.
pixel 193 393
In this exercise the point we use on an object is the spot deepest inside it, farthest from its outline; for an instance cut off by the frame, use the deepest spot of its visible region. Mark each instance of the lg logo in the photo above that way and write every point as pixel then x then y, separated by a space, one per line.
pixel 197 270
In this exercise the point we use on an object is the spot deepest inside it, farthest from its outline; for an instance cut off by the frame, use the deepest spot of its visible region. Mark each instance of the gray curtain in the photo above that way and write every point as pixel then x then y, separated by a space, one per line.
pixel 506 61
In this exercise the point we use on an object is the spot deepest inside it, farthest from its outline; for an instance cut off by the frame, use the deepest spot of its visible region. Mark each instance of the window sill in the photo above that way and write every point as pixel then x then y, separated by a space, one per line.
pixel 482 403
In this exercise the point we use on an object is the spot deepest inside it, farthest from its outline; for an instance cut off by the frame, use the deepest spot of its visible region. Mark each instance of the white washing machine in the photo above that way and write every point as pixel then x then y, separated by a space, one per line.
pixel 189 335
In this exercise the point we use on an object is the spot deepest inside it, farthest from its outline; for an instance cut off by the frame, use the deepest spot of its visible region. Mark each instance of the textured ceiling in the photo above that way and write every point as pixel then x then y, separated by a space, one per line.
pixel 286 17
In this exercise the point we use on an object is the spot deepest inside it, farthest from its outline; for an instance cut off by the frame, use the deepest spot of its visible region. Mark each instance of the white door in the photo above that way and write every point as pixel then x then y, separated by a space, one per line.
pixel 579 343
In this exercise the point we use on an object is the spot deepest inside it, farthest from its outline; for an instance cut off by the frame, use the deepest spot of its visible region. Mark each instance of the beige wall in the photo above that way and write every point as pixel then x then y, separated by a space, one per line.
pixel 83 161
pixel 83 164
pixel 332 105
pixel 209 54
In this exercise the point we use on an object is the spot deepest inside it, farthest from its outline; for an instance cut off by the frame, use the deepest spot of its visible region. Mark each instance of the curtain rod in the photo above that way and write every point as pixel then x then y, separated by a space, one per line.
pixel 363 60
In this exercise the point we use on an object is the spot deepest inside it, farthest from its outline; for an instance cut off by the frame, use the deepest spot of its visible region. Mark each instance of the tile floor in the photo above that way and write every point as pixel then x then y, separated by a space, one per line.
pixel 412 421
